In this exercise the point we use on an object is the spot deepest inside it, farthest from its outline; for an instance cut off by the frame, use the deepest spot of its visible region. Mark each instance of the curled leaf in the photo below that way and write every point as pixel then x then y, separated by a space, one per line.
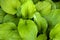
pixel 28 9
pixel 41 22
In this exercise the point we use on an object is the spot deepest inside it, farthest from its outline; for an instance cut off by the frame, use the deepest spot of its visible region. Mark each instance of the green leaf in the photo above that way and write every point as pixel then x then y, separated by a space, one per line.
pixel 54 32
pixel 10 18
pixel 2 14
pixel 24 1
pixel 57 5
pixel 0 2
pixel 28 9
pixel 35 1
pixel 57 37
pixel 10 6
pixel 55 17
pixel 27 29
pixel 19 12
pixel 41 22
pixel 43 7
pixel 8 31
pixel 42 37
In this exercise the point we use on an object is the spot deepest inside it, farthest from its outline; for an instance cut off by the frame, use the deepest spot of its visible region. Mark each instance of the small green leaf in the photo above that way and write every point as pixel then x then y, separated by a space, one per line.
pixel 10 18
pixel 41 22
pixel 55 17
pixel 35 1
pixel 28 9
pixel 44 7
pixel 0 2
pixel 57 5
pixel 2 14
pixel 57 36
pixel 55 31
pixel 24 1
pixel 42 37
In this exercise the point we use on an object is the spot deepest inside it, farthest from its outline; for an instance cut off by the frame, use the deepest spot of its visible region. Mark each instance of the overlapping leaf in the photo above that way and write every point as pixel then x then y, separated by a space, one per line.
pixel 2 14
pixel 41 22
pixel 10 6
pixel 8 31
pixel 27 29
pixel 28 9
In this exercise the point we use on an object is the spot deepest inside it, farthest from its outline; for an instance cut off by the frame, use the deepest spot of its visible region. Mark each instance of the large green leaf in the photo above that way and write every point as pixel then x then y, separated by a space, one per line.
pixel 10 6
pixel 27 29
pixel 8 31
